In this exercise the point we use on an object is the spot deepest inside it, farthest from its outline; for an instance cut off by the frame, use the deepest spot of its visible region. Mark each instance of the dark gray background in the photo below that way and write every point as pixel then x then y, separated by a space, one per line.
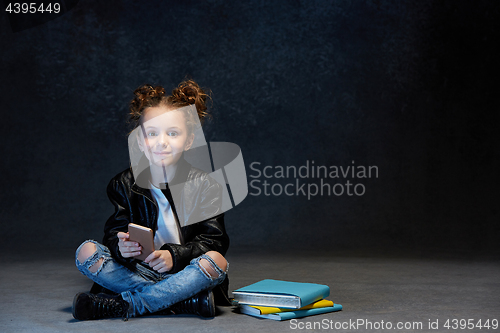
pixel 404 85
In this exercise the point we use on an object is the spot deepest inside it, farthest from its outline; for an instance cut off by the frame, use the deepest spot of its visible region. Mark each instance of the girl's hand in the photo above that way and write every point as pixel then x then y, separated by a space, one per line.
pixel 160 261
pixel 128 249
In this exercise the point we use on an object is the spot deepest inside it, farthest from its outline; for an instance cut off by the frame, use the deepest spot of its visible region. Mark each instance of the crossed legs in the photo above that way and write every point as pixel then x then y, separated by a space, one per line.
pixel 146 290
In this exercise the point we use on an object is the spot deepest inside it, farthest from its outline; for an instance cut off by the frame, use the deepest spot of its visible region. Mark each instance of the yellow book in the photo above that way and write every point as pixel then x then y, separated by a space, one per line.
pixel 263 310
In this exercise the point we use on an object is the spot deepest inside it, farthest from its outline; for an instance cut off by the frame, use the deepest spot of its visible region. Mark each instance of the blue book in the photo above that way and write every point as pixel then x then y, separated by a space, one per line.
pixel 294 314
pixel 281 294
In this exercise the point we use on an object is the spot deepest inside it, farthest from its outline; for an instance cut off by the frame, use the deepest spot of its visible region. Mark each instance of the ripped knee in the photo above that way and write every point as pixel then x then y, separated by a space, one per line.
pixel 85 252
pixel 219 261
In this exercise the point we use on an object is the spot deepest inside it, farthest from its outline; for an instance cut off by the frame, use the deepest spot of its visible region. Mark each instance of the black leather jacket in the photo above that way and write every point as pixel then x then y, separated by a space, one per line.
pixel 134 204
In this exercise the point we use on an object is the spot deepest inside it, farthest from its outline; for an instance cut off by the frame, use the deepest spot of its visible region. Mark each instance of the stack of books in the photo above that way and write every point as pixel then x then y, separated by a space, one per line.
pixel 283 300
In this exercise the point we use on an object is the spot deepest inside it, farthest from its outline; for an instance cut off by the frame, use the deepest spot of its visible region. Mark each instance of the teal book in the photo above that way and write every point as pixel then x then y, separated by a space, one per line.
pixel 295 314
pixel 281 294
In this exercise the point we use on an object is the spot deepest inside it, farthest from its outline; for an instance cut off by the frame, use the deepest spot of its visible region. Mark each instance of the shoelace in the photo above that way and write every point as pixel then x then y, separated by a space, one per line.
pixel 108 308
pixel 188 306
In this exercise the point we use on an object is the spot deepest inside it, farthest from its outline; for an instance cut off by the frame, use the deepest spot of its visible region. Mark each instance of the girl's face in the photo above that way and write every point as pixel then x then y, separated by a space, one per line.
pixel 164 135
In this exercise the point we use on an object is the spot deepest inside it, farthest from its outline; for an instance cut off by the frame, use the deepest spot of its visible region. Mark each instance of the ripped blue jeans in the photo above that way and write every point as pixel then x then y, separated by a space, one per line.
pixel 146 290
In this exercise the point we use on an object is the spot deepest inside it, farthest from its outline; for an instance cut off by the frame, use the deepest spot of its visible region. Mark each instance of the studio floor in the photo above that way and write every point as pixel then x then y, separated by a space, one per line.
pixel 408 290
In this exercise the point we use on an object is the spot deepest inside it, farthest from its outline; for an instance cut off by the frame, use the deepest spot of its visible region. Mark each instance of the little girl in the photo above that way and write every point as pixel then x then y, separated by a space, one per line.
pixel 187 272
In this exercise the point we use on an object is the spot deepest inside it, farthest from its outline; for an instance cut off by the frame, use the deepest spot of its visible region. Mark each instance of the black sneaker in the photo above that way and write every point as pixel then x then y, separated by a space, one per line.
pixel 201 304
pixel 87 306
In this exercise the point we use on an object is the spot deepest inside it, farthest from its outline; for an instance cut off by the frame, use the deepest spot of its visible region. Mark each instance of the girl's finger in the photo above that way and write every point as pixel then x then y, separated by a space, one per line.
pixel 131 253
pixel 158 267
pixel 152 256
pixel 153 263
pixel 122 235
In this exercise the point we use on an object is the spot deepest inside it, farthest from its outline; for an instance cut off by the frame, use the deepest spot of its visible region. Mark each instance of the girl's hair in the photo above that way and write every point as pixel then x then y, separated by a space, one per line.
pixel 187 93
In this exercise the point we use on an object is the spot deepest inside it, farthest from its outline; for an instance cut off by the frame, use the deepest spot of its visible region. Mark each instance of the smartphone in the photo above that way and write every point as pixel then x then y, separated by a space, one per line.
pixel 143 236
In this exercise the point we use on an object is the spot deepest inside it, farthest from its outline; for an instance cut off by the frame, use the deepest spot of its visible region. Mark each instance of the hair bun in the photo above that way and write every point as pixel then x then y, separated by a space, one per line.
pixel 189 92
pixel 145 96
